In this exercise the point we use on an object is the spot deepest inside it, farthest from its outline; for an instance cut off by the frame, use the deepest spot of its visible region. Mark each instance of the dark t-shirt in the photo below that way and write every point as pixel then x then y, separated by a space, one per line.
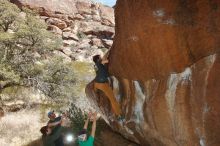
pixel 101 73
pixel 59 140
pixel 54 139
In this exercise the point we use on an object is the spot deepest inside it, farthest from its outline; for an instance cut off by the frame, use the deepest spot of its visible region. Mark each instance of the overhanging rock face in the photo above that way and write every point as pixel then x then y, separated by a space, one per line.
pixel 166 62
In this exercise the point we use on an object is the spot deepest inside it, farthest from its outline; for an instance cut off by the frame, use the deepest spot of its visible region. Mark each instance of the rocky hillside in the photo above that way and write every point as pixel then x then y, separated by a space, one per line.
pixel 86 28
pixel 166 64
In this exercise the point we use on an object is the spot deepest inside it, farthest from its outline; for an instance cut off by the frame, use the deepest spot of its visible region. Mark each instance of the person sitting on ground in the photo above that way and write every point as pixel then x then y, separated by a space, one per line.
pixel 82 138
pixel 48 138
pixel 55 124
pixel 101 83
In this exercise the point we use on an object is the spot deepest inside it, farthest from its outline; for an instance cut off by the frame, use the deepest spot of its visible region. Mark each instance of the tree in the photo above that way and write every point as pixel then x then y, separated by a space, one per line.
pixel 53 77
pixel 8 14
pixel 32 33
pixel 26 53
pixel 7 77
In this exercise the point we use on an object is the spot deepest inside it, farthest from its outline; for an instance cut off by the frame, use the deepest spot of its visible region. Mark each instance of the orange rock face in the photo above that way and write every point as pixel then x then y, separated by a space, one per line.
pixel 166 64
pixel 156 37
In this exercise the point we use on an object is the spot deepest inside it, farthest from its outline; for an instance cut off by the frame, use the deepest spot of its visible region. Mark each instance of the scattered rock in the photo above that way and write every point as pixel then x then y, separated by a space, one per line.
pixel 107 43
pixel 96 18
pixel 67 51
pixel 22 15
pixel 57 22
pixel 84 44
pixel 87 17
pixel 70 36
pixel 44 18
pixel 68 29
pixel 96 42
pixel 107 22
pixel 67 43
pixel 79 17
pixel 54 29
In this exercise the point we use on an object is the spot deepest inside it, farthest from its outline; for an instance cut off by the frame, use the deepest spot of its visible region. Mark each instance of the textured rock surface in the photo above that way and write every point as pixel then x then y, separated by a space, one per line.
pixel 165 36
pixel 166 62
pixel 64 6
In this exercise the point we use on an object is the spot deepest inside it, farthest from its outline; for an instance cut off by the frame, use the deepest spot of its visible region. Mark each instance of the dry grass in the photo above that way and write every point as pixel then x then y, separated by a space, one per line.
pixel 37 142
pixel 20 128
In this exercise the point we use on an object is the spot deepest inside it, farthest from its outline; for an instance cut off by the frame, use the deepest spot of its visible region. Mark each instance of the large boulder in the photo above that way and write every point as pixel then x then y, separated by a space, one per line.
pixel 166 63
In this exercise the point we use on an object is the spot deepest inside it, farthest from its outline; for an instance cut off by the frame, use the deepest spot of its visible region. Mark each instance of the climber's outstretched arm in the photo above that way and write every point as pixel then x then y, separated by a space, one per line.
pixel 94 125
pixel 54 124
pixel 87 121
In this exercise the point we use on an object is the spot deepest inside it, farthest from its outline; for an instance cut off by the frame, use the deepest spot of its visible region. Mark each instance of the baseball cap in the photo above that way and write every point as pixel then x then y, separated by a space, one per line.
pixel 50 113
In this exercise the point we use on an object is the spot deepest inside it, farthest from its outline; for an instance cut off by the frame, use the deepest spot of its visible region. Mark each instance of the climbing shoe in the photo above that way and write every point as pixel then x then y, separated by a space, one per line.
pixel 121 119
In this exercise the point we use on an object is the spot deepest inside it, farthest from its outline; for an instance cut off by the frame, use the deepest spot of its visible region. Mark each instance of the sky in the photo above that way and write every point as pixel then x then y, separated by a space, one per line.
pixel 108 2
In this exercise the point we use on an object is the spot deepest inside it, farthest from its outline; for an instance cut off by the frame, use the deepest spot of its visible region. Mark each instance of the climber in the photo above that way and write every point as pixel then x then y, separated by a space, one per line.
pixel 101 83
pixel 54 124
pixel 82 138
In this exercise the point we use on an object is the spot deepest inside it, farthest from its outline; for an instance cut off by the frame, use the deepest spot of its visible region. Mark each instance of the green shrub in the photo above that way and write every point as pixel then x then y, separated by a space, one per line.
pixel 78 117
